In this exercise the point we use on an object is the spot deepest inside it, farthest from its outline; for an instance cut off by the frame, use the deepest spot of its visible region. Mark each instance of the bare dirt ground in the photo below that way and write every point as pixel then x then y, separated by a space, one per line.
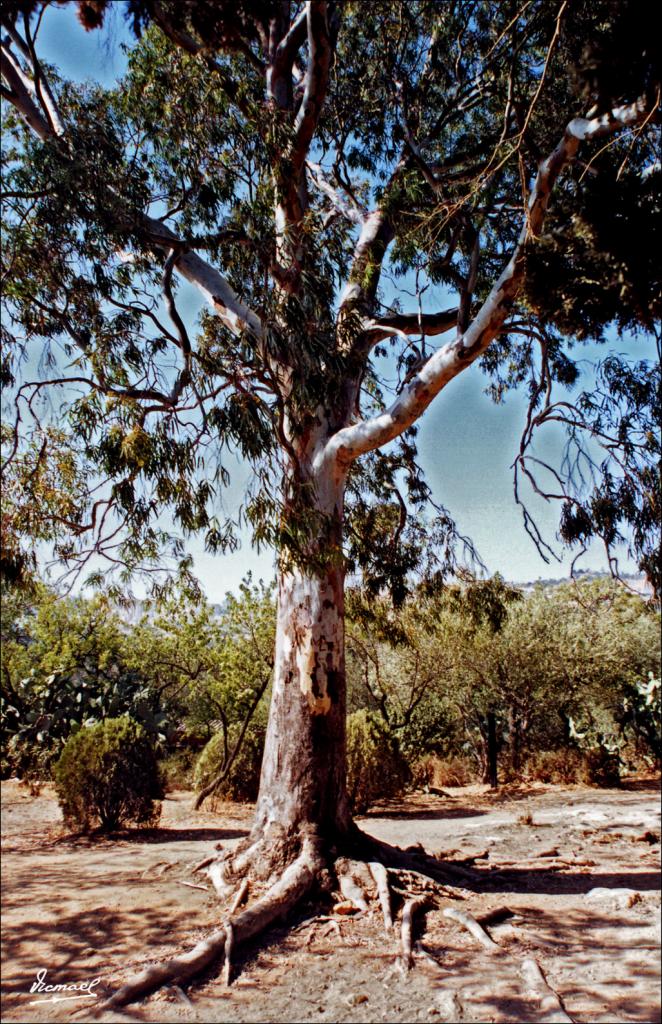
pixel 87 908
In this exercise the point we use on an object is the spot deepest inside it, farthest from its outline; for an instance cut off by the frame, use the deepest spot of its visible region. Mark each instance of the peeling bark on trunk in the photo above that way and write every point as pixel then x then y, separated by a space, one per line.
pixel 303 770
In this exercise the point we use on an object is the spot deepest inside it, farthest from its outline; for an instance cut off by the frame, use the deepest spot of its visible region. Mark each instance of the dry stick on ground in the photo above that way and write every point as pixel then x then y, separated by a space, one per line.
pixel 380 875
pixel 472 925
pixel 242 893
pixel 408 913
pixel 549 1001
pixel 295 881
pixel 204 863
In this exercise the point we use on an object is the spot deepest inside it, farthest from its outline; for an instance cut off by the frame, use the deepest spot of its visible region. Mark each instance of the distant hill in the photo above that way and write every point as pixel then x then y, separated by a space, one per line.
pixel 134 612
pixel 635 581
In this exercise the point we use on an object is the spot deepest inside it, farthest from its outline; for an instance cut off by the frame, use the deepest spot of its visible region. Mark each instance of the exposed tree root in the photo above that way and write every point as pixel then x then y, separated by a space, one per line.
pixel 380 875
pixel 550 1002
pixel 295 882
pixel 407 928
pixel 229 945
pixel 286 868
pixel 419 861
pixel 349 886
pixel 495 916
pixel 472 925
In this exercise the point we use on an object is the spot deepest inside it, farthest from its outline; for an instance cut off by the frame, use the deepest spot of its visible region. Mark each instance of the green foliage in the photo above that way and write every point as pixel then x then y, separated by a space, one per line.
pixel 436 115
pixel 66 663
pixel 642 714
pixel 107 776
pixel 243 778
pixel 375 767
pixel 560 668
pixel 213 665
pixel 177 768
pixel 184 669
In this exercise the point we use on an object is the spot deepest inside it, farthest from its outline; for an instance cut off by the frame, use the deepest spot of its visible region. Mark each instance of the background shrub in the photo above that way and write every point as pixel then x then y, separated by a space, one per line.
pixel 107 775
pixel 565 766
pixel 177 769
pixel 454 771
pixel 602 767
pixel 243 779
pixel 375 767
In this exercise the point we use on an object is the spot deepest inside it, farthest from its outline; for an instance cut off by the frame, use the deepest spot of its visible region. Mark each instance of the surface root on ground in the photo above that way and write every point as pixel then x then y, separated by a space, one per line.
pixel 287 869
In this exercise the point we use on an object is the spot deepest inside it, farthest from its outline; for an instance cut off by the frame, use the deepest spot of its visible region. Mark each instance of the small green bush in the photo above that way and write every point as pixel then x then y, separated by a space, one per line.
pixel 243 781
pixel 375 767
pixel 108 776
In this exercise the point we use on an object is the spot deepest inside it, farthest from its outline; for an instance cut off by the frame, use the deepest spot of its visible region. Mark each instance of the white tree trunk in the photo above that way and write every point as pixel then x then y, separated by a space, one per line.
pixel 303 770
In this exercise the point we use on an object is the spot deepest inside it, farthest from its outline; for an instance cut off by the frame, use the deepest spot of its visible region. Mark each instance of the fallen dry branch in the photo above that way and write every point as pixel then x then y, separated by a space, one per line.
pixel 293 884
pixel 408 913
pixel 192 885
pixel 241 895
pixel 380 876
pixel 472 925
pixel 204 863
pixel 550 1002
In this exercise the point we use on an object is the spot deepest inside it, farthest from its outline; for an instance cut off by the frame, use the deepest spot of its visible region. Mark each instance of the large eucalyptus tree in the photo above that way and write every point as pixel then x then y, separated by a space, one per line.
pixel 287 159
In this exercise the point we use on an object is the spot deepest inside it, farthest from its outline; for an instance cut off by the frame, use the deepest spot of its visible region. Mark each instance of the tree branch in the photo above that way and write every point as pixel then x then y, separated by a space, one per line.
pixel 188 43
pixel 348 207
pixel 445 364
pixel 213 285
pixel 19 96
pixel 316 81
pixel 292 42
pixel 429 324
pixel 41 86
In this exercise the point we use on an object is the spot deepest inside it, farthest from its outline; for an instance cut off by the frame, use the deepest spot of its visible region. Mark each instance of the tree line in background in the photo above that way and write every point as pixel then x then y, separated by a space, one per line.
pixel 478 682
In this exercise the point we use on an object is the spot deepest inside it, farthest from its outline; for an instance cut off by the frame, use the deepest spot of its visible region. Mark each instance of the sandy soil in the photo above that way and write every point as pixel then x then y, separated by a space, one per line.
pixel 100 908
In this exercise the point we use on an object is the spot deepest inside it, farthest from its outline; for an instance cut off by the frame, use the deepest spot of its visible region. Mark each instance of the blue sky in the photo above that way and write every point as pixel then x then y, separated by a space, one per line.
pixel 466 443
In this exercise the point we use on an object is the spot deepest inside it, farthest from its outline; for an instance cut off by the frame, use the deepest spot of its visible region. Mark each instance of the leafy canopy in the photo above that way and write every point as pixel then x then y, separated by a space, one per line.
pixel 305 167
